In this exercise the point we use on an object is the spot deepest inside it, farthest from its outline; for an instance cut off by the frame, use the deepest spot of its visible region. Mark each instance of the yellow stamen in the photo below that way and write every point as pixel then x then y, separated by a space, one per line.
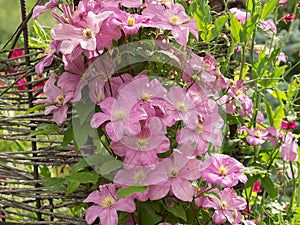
pixel 142 144
pixel 60 99
pixel 223 205
pixel 130 21
pixel 139 176
pixel 120 114
pixel 87 33
pixel 175 20
pixel 108 202
pixel 257 133
pixel 173 172
pixel 222 170
pixel 181 106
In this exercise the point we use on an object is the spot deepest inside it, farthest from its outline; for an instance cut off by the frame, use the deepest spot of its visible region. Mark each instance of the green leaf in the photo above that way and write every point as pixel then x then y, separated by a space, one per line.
pixel 44 130
pixel 278 115
pixel 235 29
pixel 147 213
pixel 122 193
pixel 217 29
pixel 72 186
pixel 36 108
pixel 84 177
pixel 178 211
pixel 252 180
pixel 110 166
pixel 54 183
pixel 268 8
pixel 269 112
pixel 79 166
pixel 68 135
pixel 269 186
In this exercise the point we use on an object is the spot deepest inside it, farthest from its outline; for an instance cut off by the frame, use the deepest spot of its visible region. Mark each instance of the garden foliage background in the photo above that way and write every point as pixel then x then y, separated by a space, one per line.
pixel 260 106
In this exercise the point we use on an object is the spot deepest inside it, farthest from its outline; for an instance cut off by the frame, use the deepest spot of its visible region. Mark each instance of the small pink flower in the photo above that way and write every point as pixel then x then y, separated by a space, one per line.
pixel 180 171
pixel 287 125
pixel 241 16
pixel 38 10
pixel 122 117
pixel 130 23
pixel 106 204
pixel 174 19
pixel 257 187
pixel 268 25
pixel 282 1
pixel 227 208
pixel 289 149
pixel 222 170
pixel 142 148
pixel 258 136
pixel 289 17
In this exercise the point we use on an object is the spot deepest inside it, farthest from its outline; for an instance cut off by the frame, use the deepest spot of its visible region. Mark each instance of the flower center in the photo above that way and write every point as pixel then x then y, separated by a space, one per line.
pixel 146 96
pixel 87 33
pixel 181 107
pixel 223 205
pixel 199 128
pixel 239 92
pixel 120 114
pixel 60 99
pixel 175 20
pixel 139 176
pixel 257 133
pixel 173 172
pixel 222 170
pixel 130 21
pixel 108 202
pixel 142 144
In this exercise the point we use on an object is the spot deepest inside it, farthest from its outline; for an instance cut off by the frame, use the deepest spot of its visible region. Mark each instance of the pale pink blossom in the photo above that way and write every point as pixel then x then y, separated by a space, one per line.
pixel 258 136
pixel 174 19
pixel 106 204
pixel 282 1
pixel 72 36
pixel 142 148
pixel 57 100
pixel 289 149
pixel 130 23
pixel 122 117
pixel 241 16
pixel 39 9
pixel 181 169
pixel 227 208
pixel 268 25
pixel 222 170
pixel 180 107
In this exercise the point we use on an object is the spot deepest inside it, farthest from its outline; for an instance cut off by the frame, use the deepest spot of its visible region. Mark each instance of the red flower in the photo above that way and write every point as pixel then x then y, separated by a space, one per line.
pixel 17 52
pixel 256 187
pixel 289 17
pixel 287 125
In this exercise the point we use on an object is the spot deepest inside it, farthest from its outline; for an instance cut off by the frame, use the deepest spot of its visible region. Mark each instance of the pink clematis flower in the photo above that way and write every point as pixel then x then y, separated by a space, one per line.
pixel 57 99
pixel 73 36
pixel 140 175
pixel 38 10
pixel 268 25
pixel 130 23
pixel 180 107
pixel 207 130
pixel 180 170
pixel 122 116
pixel 282 1
pixel 241 16
pixel 289 149
pixel 258 136
pixel 174 19
pixel 222 170
pixel 227 208
pixel 142 149
pixel 106 204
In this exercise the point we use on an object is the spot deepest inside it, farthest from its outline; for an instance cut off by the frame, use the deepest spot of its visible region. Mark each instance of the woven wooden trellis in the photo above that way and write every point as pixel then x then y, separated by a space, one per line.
pixel 23 198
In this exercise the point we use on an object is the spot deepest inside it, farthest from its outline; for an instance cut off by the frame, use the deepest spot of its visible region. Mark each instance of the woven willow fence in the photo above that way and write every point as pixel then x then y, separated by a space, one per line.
pixel 23 198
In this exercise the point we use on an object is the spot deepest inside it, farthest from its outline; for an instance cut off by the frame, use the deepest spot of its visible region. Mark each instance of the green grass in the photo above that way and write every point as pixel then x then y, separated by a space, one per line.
pixel 10 18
